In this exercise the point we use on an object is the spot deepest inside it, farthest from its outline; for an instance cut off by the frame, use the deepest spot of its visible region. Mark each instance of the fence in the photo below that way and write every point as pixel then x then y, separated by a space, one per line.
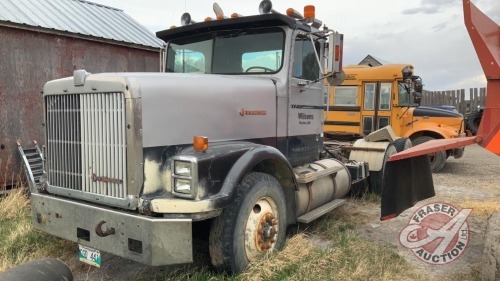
pixel 456 98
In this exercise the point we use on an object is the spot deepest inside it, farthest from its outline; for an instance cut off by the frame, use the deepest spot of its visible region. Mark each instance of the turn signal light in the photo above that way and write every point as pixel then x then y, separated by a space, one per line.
pixel 309 12
pixel 200 143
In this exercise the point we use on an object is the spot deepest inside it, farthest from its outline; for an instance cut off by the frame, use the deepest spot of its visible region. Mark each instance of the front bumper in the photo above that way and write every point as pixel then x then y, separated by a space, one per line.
pixel 148 240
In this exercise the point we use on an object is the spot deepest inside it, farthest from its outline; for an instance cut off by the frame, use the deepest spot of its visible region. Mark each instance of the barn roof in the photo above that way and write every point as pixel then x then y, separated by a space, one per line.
pixel 78 17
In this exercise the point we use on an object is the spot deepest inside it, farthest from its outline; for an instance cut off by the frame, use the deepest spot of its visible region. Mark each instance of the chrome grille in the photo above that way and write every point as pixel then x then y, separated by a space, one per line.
pixel 86 144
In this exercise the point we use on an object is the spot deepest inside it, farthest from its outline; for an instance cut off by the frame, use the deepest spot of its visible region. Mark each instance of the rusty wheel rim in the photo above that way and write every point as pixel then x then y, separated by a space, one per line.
pixel 261 229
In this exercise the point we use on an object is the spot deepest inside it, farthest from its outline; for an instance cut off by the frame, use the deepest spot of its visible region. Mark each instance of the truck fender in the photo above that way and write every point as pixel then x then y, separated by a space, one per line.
pixel 265 159
pixel 371 152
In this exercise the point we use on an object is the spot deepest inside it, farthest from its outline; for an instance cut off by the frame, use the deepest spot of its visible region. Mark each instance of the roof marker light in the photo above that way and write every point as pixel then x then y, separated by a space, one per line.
pixel 291 12
pixel 309 12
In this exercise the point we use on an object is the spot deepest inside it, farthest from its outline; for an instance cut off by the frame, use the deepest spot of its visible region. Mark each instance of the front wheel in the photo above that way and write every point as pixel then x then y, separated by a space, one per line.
pixel 438 159
pixel 253 226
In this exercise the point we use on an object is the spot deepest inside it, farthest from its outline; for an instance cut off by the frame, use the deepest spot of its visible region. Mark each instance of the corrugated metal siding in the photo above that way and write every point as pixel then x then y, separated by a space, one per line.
pixel 79 17
pixel 28 60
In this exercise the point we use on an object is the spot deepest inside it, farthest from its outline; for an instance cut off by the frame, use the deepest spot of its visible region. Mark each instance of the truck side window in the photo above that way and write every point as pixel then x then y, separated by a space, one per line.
pixel 385 96
pixel 369 103
pixel 346 96
pixel 305 64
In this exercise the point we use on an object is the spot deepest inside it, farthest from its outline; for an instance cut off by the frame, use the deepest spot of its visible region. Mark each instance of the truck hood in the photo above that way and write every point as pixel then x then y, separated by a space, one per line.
pixel 177 106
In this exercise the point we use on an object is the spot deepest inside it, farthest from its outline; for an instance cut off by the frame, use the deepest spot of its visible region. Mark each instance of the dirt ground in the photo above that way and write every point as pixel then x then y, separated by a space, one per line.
pixel 469 182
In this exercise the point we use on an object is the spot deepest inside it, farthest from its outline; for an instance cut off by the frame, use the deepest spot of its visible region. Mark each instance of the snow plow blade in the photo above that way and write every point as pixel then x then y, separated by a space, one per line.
pixel 406 182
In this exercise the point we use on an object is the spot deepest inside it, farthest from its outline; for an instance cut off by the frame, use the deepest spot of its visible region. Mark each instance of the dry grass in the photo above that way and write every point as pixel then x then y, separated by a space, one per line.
pixel 14 205
pixel 482 208
pixel 347 256
pixel 20 242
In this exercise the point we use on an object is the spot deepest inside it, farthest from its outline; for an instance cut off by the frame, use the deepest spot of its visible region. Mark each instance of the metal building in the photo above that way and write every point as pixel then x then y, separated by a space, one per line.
pixel 42 40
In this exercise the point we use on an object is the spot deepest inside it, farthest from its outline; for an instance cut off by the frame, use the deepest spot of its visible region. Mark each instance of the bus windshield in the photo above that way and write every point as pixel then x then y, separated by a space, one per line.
pixel 405 97
pixel 228 52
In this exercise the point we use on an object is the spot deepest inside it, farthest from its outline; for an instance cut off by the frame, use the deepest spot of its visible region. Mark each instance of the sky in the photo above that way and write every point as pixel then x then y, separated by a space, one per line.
pixel 429 34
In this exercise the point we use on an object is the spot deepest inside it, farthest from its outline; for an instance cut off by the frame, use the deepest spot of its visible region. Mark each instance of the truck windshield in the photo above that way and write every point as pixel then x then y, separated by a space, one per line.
pixel 228 52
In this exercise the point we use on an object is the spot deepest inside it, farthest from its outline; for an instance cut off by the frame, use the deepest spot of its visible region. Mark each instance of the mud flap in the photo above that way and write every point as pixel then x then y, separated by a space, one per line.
pixel 406 182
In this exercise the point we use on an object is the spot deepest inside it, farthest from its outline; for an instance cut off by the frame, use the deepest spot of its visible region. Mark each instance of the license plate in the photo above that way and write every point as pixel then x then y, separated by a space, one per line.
pixel 89 255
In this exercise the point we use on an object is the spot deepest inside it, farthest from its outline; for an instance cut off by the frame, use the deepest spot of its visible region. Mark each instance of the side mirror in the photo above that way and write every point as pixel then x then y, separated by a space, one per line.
pixel 336 78
pixel 335 50
pixel 417 97
pixel 419 87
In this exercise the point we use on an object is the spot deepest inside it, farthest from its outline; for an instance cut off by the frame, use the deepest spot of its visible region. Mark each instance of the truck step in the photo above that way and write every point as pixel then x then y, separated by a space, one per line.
pixel 32 162
pixel 318 212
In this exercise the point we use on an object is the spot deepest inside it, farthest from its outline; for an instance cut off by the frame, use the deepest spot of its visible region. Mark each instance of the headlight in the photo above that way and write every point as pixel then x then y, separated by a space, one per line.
pixel 182 186
pixel 182 168
pixel 184 180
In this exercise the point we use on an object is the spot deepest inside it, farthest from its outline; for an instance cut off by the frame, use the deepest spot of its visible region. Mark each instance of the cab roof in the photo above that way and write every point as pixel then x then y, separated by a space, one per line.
pixel 264 20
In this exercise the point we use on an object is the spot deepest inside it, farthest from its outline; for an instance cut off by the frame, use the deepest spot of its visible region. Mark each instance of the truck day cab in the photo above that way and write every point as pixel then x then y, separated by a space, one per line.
pixel 231 135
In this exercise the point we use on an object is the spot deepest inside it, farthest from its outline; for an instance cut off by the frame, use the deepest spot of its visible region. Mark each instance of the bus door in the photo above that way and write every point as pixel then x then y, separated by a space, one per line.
pixel 376 112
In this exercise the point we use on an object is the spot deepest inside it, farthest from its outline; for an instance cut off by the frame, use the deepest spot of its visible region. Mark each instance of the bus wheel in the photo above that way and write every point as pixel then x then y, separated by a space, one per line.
pixel 438 159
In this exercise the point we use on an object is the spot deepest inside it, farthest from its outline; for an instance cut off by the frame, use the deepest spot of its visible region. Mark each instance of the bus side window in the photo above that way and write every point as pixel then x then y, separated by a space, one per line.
pixel 346 96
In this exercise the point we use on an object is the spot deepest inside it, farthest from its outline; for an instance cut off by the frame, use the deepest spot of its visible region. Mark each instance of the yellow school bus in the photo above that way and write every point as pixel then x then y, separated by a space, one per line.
pixel 374 97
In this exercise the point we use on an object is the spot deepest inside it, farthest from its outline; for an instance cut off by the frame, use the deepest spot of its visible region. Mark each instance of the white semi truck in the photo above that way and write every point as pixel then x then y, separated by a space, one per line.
pixel 230 136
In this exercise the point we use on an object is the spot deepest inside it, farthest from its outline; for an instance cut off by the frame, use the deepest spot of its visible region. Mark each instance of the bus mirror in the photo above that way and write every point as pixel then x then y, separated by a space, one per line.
pixel 417 97
pixel 336 79
pixel 419 87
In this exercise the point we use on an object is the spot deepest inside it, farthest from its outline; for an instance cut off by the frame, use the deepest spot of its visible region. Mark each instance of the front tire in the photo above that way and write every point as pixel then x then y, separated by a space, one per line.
pixel 438 159
pixel 253 226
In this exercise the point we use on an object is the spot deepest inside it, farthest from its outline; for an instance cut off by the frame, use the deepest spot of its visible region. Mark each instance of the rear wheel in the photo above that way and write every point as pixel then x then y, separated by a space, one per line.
pixel 402 144
pixel 253 226
pixel 438 159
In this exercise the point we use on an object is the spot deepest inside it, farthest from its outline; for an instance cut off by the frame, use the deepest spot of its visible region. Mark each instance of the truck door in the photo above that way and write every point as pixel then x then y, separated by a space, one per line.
pixel 376 106
pixel 305 109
